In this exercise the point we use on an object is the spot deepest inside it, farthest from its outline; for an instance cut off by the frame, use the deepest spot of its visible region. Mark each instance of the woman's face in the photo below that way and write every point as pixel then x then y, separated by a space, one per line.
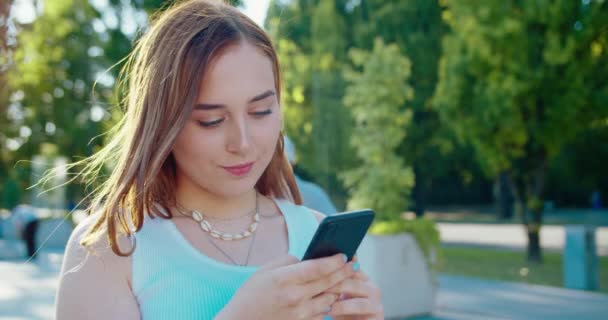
pixel 234 128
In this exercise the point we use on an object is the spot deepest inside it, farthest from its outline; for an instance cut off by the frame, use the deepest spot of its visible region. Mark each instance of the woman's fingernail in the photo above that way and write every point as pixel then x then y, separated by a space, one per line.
pixel 344 257
pixel 328 309
pixel 327 318
pixel 356 266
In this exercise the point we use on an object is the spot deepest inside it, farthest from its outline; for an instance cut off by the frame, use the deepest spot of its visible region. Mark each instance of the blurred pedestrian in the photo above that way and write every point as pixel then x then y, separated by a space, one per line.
pixel 26 222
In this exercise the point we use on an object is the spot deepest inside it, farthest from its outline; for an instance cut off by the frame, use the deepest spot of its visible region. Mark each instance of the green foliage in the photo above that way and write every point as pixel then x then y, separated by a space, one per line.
pixel 56 61
pixel 6 129
pixel 291 20
pixel 60 84
pixel 312 53
pixel 322 32
pixel 518 80
pixel 295 101
pixel 583 161
pixel 11 194
pixel 374 96
pixel 332 153
pixel 416 27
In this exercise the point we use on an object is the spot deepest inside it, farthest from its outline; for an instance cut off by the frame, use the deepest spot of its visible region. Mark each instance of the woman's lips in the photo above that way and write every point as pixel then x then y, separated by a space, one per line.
pixel 240 170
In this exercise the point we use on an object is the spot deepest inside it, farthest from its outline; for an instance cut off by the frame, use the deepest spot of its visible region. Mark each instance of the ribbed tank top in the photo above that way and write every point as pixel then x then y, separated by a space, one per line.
pixel 173 280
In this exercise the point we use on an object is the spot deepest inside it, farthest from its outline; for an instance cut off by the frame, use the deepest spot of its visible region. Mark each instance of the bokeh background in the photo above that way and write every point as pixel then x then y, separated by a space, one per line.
pixel 468 115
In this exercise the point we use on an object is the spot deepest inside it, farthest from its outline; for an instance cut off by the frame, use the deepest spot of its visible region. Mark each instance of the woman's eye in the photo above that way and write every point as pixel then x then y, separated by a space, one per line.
pixel 213 123
pixel 262 113
pixel 208 124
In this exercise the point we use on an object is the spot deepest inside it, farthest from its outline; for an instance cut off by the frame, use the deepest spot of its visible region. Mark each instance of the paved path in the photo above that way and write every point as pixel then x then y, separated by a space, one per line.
pixel 512 236
pixel 471 298
pixel 28 291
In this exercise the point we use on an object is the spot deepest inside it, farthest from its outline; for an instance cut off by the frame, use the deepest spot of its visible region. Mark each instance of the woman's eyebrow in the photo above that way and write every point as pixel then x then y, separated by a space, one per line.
pixel 262 96
pixel 206 106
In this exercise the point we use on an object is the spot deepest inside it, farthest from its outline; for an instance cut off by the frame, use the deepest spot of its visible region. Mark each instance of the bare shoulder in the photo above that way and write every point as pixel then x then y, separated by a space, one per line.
pixel 94 282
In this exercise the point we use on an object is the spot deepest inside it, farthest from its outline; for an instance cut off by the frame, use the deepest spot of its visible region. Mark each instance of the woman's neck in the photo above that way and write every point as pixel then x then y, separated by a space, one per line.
pixel 190 197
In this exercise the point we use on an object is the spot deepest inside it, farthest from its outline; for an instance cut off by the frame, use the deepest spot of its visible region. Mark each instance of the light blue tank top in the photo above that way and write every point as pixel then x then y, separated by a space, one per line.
pixel 174 280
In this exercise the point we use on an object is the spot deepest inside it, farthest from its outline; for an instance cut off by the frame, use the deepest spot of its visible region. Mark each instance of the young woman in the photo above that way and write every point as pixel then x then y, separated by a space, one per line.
pixel 197 219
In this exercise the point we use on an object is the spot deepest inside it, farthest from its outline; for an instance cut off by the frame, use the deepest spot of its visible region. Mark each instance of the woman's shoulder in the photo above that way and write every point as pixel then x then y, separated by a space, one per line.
pixel 86 258
pixel 94 280
pixel 99 245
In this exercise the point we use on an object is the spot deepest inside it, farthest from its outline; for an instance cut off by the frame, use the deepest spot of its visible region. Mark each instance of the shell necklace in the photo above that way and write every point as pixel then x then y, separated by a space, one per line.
pixel 214 233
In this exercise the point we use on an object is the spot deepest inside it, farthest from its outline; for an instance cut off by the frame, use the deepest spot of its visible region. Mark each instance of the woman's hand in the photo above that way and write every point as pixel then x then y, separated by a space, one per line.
pixel 290 289
pixel 360 298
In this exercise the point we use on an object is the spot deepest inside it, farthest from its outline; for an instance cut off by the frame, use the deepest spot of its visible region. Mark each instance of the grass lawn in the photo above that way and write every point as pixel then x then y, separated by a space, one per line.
pixel 510 266
pixel 487 214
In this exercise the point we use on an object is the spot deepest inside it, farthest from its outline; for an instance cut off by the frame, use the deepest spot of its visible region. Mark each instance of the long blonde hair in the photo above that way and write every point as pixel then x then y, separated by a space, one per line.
pixel 161 79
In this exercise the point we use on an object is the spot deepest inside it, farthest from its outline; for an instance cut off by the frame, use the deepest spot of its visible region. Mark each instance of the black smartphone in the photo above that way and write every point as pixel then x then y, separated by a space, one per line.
pixel 339 233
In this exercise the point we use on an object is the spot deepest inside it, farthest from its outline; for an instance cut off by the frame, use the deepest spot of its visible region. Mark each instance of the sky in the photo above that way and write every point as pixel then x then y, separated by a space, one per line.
pixel 256 10
pixel 24 11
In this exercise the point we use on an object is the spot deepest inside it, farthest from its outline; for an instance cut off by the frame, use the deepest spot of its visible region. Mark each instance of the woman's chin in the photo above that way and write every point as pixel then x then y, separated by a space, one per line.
pixel 233 189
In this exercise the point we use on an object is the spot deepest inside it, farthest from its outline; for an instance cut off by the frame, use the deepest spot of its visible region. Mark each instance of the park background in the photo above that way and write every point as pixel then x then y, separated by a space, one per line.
pixel 465 113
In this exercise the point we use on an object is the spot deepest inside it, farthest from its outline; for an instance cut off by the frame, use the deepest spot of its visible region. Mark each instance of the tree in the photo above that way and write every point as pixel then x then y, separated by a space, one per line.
pixel 375 95
pixel 329 44
pixel 416 27
pixel 66 63
pixel 6 49
pixel 312 53
pixel 321 32
pixel 518 80
pixel 57 61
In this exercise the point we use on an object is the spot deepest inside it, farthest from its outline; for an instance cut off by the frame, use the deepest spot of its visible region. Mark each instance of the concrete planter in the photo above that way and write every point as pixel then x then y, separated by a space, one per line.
pixel 397 265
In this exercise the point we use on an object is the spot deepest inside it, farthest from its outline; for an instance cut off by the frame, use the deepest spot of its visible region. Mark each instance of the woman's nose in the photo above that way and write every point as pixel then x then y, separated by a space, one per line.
pixel 239 140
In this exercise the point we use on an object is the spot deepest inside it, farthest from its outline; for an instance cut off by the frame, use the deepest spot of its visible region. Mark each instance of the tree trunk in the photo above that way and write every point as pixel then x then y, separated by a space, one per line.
pixel 535 206
pixel 534 250
pixel 529 194
pixel 419 192
pixel 505 197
